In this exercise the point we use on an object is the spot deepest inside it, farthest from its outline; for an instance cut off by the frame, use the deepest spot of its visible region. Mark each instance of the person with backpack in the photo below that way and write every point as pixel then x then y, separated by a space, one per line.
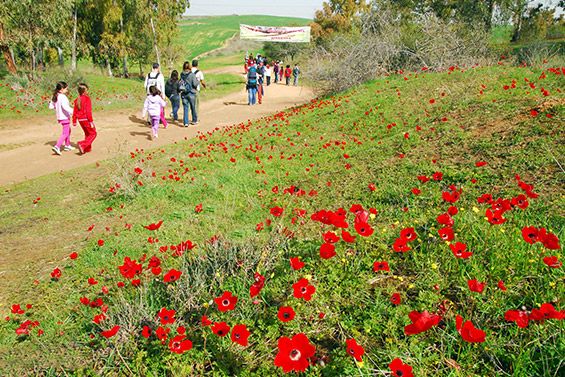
pixel 276 71
pixel 201 84
pixel 155 78
pixel 188 88
pixel 295 74
pixel 251 84
pixel 260 81
pixel 172 92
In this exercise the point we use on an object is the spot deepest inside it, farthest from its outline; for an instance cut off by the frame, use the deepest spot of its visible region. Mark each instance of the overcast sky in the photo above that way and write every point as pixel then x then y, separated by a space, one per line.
pixel 293 8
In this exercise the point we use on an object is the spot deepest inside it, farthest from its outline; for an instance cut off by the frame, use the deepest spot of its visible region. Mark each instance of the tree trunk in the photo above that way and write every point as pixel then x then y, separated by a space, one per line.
pixel 74 42
pixel 60 56
pixel 140 69
pixel 7 52
pixel 157 55
pixel 125 67
pixel 109 66
pixel 33 63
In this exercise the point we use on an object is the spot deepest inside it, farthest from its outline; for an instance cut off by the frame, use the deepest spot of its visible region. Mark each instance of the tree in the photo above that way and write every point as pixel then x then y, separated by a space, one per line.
pixel 336 16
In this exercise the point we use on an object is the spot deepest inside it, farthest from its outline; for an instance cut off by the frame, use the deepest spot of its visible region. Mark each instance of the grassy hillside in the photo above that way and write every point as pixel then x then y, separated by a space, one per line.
pixel 417 151
pixel 202 34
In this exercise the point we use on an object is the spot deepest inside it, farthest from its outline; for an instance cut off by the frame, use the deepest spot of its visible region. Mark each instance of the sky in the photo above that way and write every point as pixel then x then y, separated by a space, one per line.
pixel 292 8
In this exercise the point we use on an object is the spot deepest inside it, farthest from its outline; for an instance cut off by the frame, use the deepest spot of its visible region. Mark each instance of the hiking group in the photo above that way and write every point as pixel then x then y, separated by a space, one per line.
pixel 183 88
pixel 259 73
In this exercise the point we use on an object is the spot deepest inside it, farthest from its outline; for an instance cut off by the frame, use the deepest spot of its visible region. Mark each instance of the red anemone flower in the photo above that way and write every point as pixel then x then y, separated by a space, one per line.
pixel 495 217
pixel 408 234
pixel 421 322
pixel 546 311
pixel 468 331
pixel 459 249
pixel 446 234
pixel 179 344
pixel 296 263
pixel 166 316
pixel 381 266
pixel 401 245
pixel 226 302
pixel 395 299
pixel 110 333
pixel 220 328
pixel 476 286
pixel 239 335
pixel 330 237
pixel 399 369
pixel 172 276
pixel 347 237
pixel 327 251
pixel 520 317
pixel 286 314
pixel 303 289
pixel 56 273
pixel 276 211
pixel 530 234
pixel 294 354
pixel 552 262
pixel 154 226
pixel 354 349
pixel 363 229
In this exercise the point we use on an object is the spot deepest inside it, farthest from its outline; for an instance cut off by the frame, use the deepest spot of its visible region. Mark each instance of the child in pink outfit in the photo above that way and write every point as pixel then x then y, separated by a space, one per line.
pixel 60 103
pixel 154 105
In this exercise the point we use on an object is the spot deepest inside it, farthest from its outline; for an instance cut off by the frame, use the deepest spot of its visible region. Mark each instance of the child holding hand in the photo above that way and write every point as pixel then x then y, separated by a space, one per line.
pixel 154 104
pixel 83 113
pixel 60 103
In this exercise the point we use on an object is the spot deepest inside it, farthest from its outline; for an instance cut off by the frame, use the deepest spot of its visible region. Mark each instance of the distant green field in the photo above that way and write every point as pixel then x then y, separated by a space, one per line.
pixel 202 34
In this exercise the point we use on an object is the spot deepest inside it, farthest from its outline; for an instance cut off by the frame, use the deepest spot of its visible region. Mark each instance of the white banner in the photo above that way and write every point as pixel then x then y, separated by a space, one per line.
pixel 275 33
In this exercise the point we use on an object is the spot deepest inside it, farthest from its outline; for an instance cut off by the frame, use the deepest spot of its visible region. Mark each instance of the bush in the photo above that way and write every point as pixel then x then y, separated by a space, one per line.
pixel 385 45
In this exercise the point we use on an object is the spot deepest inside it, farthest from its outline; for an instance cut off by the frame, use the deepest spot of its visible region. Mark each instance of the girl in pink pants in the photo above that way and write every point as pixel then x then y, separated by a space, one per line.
pixel 64 111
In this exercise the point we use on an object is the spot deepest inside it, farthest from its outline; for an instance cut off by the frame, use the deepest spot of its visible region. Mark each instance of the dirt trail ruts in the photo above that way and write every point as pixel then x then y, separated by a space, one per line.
pixel 25 146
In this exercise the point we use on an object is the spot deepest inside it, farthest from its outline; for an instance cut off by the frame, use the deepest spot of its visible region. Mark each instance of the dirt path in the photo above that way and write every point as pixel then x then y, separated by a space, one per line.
pixel 25 146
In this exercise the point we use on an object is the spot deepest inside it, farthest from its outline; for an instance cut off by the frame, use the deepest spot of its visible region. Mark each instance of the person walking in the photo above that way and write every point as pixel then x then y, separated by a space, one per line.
pixel 260 81
pixel 156 78
pixel 83 113
pixel 276 71
pixel 287 74
pixel 188 86
pixel 201 84
pixel 268 73
pixel 251 85
pixel 60 103
pixel 295 74
pixel 173 93
pixel 154 105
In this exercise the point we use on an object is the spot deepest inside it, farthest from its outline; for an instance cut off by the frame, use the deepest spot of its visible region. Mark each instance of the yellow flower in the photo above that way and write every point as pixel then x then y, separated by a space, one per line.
pixel 410 286
pixel 308 277
pixel 476 210
pixel 461 209
pixel 372 216
pixel 502 230
pixel 434 266
pixel 360 364
pixel 552 284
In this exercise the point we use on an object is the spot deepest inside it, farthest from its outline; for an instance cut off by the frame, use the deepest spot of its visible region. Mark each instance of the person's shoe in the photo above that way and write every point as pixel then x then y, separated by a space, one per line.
pixel 56 150
pixel 185 125
pixel 80 149
pixel 69 148
pixel 194 123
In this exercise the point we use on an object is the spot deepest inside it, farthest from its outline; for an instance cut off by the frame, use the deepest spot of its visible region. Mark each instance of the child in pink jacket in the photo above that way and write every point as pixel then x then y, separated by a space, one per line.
pixel 154 104
pixel 64 111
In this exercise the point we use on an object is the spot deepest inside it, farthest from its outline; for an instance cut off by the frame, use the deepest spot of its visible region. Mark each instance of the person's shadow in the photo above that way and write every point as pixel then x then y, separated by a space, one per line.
pixel 146 134
pixel 137 120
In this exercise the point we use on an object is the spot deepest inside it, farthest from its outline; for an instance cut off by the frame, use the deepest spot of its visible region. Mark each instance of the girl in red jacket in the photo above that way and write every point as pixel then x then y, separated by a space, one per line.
pixel 83 113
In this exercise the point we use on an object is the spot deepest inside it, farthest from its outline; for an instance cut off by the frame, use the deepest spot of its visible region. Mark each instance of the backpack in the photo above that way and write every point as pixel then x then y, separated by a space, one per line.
pixel 295 71
pixel 151 81
pixel 188 83
pixel 252 77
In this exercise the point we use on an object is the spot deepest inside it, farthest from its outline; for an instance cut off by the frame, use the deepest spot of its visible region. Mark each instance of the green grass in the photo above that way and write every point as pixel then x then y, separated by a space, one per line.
pixel 332 148
pixel 203 34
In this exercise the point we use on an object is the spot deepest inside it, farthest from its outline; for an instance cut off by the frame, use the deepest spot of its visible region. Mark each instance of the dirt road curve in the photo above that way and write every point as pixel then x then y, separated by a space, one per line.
pixel 25 145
